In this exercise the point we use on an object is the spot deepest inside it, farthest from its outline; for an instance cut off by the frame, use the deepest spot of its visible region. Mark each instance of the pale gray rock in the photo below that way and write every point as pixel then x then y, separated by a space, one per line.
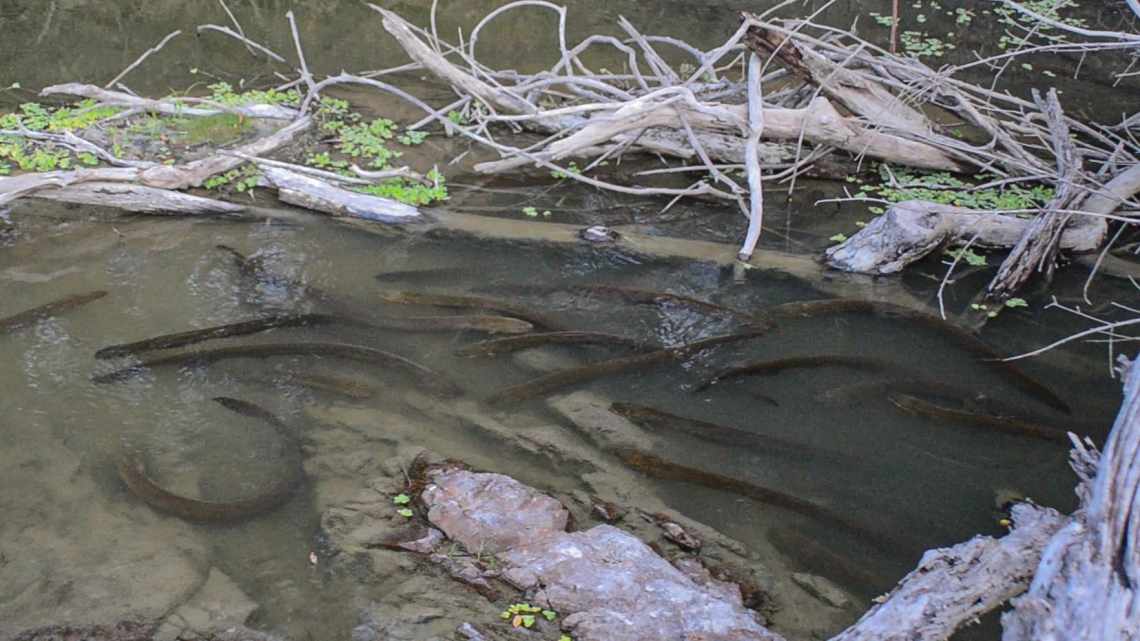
pixel 491 512
pixel 617 589
pixel 219 605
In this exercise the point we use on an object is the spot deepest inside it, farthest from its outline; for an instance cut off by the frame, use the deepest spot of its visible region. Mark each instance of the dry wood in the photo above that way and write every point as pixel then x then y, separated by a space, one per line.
pixel 138 199
pixel 309 192
pixel 953 586
pixel 1087 586
pixel 911 230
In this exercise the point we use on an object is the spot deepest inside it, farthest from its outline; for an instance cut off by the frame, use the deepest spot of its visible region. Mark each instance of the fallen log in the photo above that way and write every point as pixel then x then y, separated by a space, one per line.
pixel 911 230
pixel 318 195
pixel 1087 586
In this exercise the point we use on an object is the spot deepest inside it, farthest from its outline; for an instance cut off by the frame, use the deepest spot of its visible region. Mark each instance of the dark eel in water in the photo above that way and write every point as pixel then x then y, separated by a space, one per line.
pixel 471 302
pixel 428 377
pixel 659 468
pixel 479 323
pixel 132 470
pixel 550 383
pixel 647 297
pixel 649 417
pixel 51 309
pixel 516 343
pixel 963 339
pixel 772 367
pixel 1009 424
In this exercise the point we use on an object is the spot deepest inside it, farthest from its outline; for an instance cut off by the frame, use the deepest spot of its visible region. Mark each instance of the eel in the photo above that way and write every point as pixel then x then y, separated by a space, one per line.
pixel 772 367
pixel 659 468
pixel 963 339
pixel 516 343
pixel 428 377
pixel 53 308
pixel 472 302
pixel 648 297
pixel 431 273
pixel 817 558
pixel 550 383
pixel 651 417
pixel 327 383
pixel 132 470
pixel 1009 424
pixel 921 386
pixel 478 323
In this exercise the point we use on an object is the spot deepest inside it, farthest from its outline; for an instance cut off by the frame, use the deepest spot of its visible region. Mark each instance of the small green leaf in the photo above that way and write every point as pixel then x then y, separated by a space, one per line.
pixel 405 512
pixel 550 615
pixel 530 212
pixel 401 499
pixel 528 620
pixel 1016 302
pixel 838 238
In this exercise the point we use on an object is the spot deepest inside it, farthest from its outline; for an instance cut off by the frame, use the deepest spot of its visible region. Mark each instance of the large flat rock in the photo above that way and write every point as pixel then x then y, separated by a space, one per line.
pixel 491 512
pixel 618 589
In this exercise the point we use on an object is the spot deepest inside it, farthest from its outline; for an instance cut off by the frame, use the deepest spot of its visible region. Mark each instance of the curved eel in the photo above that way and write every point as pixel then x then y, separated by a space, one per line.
pixel 772 367
pixel 516 343
pixel 1009 424
pixel 428 377
pixel 132 470
pixel 478 323
pixel 962 338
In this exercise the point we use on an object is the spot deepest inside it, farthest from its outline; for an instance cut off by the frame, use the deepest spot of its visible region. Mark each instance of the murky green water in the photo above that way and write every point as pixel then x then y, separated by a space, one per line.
pixel 71 535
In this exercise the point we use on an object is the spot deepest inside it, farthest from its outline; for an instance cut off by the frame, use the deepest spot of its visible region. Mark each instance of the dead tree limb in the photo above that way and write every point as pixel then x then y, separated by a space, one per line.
pixel 1087 587
pixel 1036 250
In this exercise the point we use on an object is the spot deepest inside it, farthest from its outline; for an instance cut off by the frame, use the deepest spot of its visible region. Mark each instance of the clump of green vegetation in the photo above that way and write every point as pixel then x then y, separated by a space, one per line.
pixel 409 191
pixel 1049 8
pixel 370 143
pixel 223 93
pixel 524 615
pixel 941 187
pixel 922 45
pixel 241 180
pixel 30 155
pixel 572 168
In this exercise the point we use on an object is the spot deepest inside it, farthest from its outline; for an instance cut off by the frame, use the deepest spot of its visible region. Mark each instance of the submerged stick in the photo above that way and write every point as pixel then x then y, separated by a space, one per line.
pixel 1009 424
pixel 659 468
pixel 470 302
pixel 487 324
pixel 648 416
pixel 132 470
pixel 773 367
pixel 51 309
pixel 517 343
pixel 544 385
pixel 961 338
pixel 423 374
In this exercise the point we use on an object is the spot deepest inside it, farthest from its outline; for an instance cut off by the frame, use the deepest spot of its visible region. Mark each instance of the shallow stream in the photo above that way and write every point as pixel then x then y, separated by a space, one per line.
pixel 67 517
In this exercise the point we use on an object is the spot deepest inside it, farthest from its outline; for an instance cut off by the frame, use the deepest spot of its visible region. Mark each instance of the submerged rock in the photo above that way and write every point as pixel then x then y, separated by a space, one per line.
pixel 218 605
pixel 491 512
pixel 618 589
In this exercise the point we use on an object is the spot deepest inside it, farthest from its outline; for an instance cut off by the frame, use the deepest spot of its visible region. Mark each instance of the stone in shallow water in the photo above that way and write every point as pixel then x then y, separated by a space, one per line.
pixel 218 605
pixel 489 513
pixel 618 589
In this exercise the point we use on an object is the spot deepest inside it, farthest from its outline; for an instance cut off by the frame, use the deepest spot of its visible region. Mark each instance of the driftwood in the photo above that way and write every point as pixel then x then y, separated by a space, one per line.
pixel 1087 587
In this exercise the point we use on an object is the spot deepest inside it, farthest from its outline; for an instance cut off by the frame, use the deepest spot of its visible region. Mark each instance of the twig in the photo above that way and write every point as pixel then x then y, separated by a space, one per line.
pixel 305 75
pixel 146 54
pixel 752 158
pixel 248 43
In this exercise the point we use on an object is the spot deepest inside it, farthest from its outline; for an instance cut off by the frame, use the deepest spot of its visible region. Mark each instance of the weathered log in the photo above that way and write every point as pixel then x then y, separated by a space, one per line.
pixel 912 229
pixel 318 195
pixel 953 586
pixel 1087 586
pixel 170 107
pixel 139 199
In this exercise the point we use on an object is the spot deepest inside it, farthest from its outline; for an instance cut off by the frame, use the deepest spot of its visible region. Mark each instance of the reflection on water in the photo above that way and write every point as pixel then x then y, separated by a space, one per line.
pixel 914 480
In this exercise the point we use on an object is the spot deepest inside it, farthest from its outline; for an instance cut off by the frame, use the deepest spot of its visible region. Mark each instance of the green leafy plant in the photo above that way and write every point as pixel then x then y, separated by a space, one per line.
pixel 523 615
pixel 401 499
pixel 411 192
pixel 572 168
pixel 969 255
pixel 405 512
pixel 1016 302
